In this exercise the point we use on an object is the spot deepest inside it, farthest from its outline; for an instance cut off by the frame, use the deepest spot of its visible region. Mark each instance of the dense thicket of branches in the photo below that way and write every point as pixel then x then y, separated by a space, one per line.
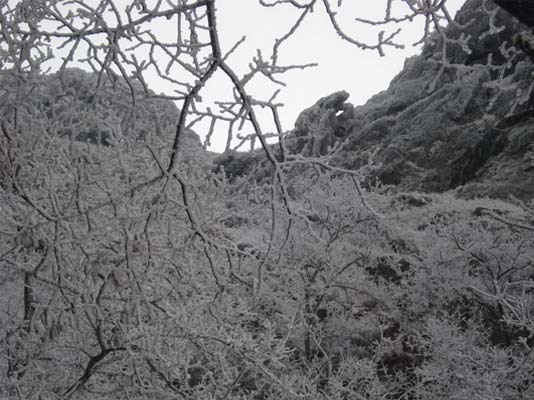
pixel 129 270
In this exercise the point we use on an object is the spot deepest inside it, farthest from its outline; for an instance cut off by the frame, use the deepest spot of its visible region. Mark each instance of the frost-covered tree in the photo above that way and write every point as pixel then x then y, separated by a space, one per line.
pixel 129 269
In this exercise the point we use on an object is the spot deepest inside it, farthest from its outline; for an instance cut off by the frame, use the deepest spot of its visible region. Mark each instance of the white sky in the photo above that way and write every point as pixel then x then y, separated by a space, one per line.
pixel 342 66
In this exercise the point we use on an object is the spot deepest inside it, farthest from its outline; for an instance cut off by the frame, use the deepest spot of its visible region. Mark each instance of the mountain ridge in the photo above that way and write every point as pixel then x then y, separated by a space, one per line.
pixel 464 126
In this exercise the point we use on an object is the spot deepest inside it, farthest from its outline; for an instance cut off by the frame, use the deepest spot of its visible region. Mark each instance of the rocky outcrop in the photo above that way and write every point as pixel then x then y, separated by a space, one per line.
pixel 92 108
pixel 319 127
pixel 521 9
pixel 510 170
pixel 467 127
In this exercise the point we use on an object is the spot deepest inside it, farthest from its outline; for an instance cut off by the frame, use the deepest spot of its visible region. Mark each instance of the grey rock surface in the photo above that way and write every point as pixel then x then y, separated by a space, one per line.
pixel 467 128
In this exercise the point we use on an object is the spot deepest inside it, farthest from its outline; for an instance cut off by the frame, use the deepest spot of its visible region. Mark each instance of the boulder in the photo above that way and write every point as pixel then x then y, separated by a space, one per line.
pixel 320 126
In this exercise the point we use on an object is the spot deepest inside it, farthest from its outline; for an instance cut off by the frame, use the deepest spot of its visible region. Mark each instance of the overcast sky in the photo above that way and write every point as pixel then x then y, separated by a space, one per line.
pixel 342 66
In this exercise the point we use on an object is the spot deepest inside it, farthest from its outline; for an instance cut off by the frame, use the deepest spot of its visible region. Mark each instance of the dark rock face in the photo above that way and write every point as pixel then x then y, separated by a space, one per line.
pixel 521 9
pixel 468 128
pixel 511 170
